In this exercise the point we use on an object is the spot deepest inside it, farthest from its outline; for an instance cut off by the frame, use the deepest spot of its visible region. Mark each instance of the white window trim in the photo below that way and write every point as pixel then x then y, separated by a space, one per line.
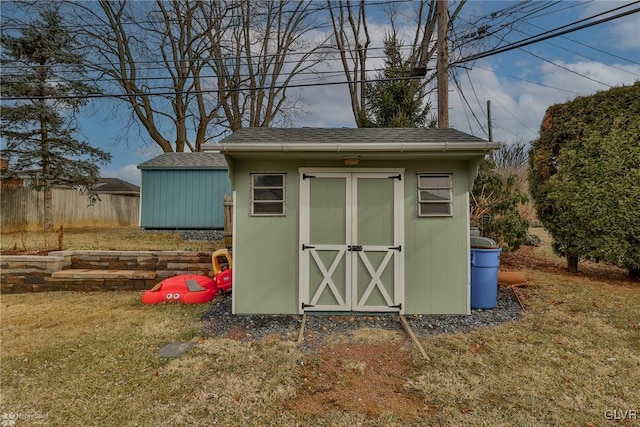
pixel 284 194
pixel 427 202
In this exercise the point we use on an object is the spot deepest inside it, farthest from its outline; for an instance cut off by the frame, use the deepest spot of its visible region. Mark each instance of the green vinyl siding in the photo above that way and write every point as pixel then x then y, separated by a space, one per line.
pixel 175 199
pixel 266 249
pixel 265 252
pixel 436 263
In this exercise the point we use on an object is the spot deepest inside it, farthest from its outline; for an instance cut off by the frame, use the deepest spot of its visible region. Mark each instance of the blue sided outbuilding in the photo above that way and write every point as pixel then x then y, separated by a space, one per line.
pixel 184 191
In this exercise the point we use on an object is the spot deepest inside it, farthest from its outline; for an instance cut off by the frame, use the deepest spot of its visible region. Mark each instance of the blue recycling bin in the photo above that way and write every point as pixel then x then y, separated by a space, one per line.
pixel 484 277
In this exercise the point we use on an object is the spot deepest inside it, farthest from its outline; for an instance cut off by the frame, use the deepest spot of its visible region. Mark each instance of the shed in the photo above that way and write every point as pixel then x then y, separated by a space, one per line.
pixel 184 191
pixel 351 220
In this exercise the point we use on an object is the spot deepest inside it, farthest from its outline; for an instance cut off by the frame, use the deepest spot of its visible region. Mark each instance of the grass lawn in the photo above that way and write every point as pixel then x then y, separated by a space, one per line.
pixel 92 359
pixel 96 238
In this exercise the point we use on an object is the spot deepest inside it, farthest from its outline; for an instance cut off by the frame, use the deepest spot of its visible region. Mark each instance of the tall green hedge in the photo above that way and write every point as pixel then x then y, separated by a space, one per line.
pixel 584 177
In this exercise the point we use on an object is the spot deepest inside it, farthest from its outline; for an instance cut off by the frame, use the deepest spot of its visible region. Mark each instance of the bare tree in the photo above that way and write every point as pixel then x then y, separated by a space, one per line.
pixel 153 57
pixel 258 48
pixel 512 158
pixel 352 39
pixel 192 70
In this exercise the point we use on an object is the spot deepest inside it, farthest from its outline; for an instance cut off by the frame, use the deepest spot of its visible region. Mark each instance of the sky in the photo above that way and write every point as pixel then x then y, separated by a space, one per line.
pixel 520 84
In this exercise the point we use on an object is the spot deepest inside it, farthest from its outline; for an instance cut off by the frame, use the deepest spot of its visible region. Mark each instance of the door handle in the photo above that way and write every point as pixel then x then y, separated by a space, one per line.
pixel 354 248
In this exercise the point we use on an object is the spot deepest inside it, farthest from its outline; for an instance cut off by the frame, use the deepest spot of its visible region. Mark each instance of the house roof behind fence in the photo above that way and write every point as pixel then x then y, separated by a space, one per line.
pixel 116 186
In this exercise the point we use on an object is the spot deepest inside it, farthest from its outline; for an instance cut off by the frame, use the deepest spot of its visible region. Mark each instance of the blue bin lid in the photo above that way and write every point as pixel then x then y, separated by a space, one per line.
pixel 482 242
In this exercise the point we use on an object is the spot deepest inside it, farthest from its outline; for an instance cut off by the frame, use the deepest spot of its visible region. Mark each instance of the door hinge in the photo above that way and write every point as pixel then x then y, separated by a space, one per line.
pixel 354 248
pixel 307 247
pixel 398 177
pixel 303 305
pixel 305 176
pixel 396 248
pixel 398 306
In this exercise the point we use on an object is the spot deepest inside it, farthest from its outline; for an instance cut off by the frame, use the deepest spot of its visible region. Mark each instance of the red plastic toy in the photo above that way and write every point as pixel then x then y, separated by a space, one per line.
pixel 222 264
pixel 193 288
pixel 188 289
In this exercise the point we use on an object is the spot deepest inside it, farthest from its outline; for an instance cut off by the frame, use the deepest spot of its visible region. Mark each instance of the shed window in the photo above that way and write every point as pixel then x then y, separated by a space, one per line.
pixel 435 194
pixel 267 194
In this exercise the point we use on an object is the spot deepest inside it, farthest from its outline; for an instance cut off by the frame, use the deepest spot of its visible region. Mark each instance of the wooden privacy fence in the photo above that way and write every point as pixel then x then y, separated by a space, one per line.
pixel 228 220
pixel 23 209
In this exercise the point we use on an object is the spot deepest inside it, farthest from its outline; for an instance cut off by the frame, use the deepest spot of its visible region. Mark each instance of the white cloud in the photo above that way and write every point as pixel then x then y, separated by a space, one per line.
pixel 326 106
pixel 588 77
pixel 626 32
pixel 518 106
pixel 622 33
pixel 510 112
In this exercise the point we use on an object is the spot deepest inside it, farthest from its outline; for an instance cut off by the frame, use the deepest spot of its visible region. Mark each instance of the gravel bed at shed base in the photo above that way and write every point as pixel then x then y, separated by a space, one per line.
pixel 193 235
pixel 196 235
pixel 219 322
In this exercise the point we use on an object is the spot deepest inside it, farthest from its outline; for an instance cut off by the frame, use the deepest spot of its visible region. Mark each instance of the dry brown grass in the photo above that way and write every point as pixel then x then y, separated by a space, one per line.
pixel 91 359
pixel 95 238
pixel 574 355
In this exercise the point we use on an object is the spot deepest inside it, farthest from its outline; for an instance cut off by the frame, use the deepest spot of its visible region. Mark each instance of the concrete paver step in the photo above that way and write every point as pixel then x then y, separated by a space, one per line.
pixel 85 273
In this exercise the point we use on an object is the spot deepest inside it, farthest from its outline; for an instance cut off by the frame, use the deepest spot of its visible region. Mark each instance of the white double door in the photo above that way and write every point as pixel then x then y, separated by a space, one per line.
pixel 351 240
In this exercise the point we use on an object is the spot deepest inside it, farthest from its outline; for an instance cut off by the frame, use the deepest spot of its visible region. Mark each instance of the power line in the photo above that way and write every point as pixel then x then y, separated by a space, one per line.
pixel 528 81
pixel 537 39
pixel 481 31
pixel 464 98
pixel 558 65
pixel 298 85
pixel 581 54
pixel 501 14
pixel 506 109
pixel 309 11
pixel 95 67
pixel 336 73
pixel 577 53
pixel 596 49
pixel 328 48
pixel 205 91
pixel 473 88
pixel 567 69
pixel 581 20
pixel 571 6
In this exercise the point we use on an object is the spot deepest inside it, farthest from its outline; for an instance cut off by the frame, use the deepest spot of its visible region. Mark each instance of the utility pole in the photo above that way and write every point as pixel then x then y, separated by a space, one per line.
pixel 443 64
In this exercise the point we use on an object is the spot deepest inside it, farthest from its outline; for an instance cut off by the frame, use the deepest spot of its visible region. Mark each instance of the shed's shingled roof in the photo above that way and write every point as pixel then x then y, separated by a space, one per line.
pixel 186 161
pixel 349 135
